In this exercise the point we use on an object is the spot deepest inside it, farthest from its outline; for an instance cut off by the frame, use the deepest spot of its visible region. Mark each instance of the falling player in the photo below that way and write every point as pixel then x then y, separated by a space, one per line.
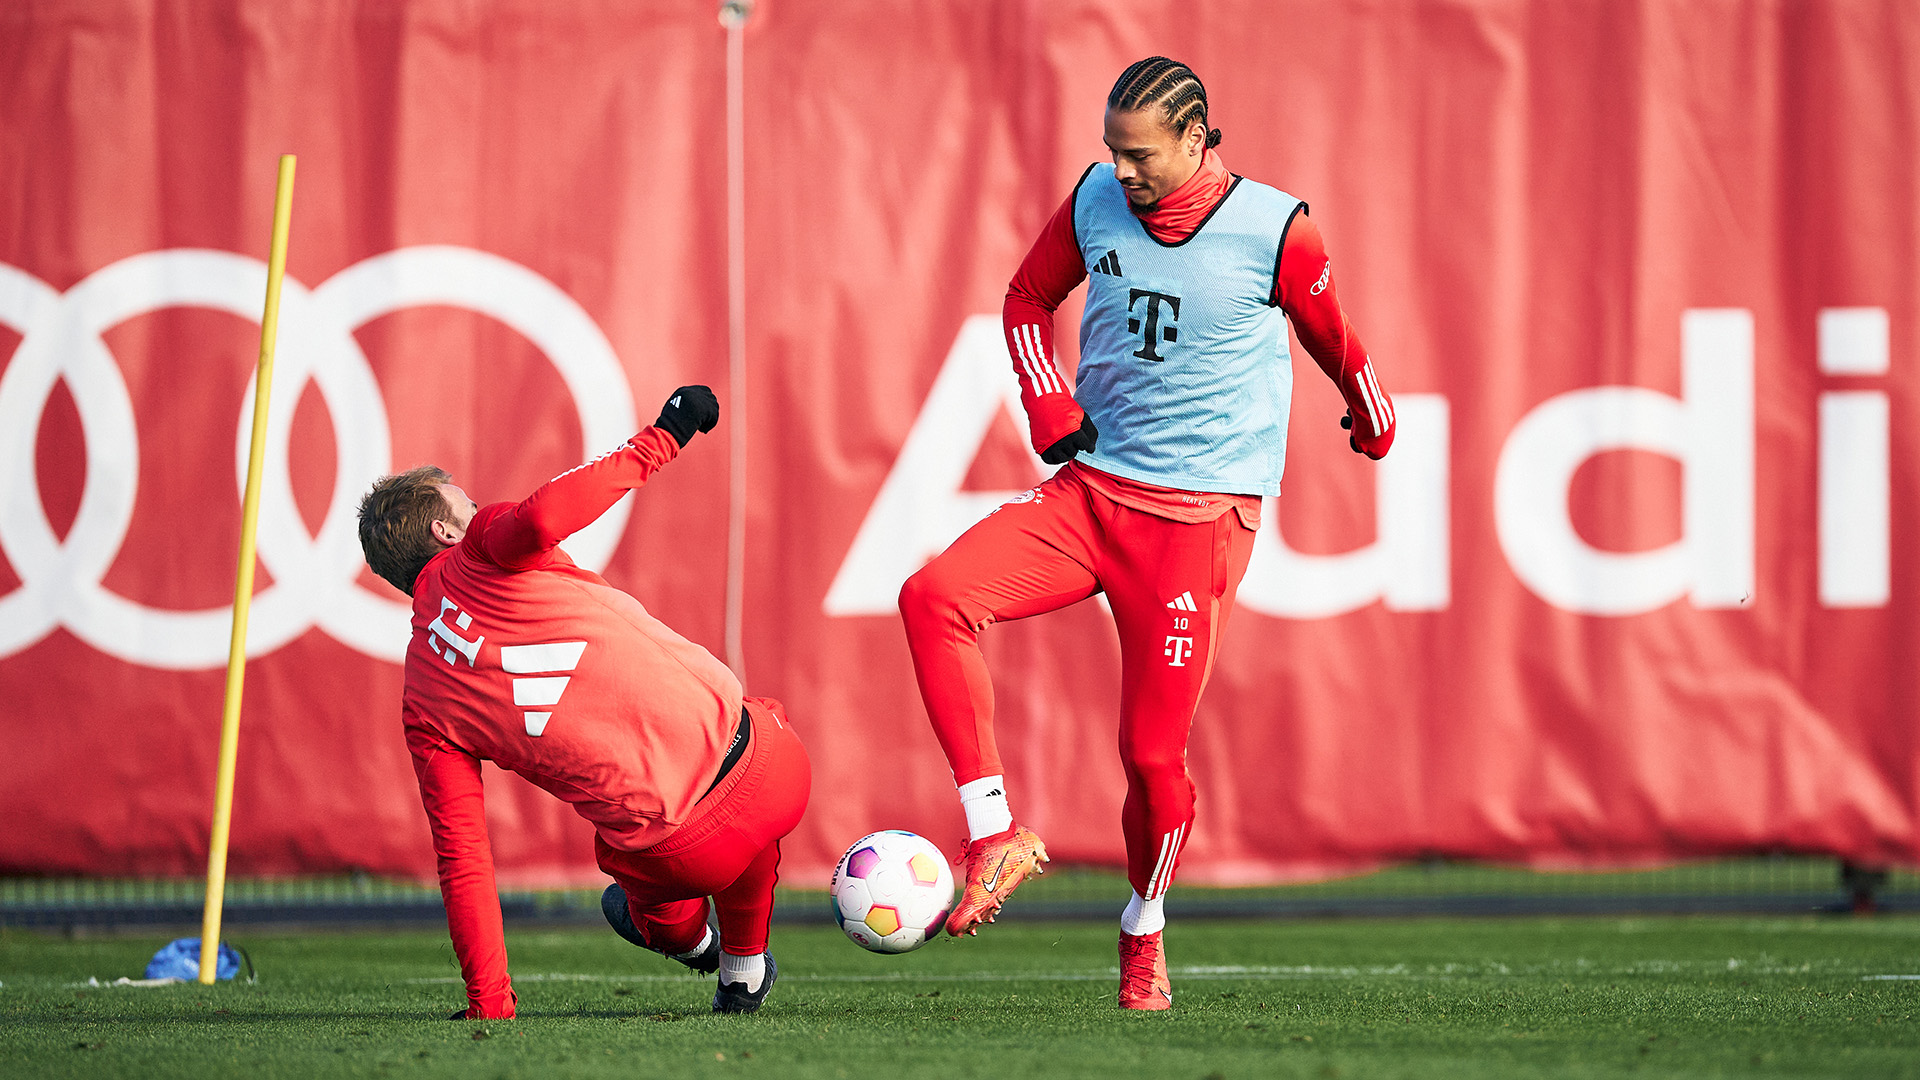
pixel 524 659
pixel 1174 430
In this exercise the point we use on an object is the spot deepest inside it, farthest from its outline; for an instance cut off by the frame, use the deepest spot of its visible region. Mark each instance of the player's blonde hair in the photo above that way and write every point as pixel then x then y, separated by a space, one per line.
pixel 396 523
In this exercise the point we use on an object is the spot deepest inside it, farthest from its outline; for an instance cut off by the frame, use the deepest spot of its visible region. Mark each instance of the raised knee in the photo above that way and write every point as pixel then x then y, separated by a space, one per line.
pixel 927 596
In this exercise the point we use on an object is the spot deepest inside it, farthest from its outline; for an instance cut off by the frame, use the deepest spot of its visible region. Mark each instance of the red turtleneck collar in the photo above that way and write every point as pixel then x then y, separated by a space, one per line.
pixel 1174 218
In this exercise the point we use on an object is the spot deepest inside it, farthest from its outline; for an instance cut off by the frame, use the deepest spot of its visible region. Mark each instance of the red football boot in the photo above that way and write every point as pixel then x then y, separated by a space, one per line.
pixel 1143 973
pixel 994 866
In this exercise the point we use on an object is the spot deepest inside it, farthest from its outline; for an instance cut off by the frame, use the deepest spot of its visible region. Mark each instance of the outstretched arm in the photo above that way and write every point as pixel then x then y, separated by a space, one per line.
pixel 456 812
pixel 1304 290
pixel 1051 270
pixel 521 537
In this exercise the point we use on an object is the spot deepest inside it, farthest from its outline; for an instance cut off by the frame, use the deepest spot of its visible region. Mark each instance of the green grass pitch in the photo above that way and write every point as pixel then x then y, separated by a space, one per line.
pixel 1588 997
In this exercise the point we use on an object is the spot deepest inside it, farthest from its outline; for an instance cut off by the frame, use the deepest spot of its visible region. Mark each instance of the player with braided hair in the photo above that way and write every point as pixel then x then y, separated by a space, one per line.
pixel 1173 431
pixel 1169 86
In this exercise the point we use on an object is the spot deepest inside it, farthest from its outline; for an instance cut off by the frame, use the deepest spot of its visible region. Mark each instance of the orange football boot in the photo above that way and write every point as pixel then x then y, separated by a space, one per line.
pixel 1143 973
pixel 994 866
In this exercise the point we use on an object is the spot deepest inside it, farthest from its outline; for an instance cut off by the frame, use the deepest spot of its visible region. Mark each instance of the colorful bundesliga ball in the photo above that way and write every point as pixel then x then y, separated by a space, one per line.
pixel 891 891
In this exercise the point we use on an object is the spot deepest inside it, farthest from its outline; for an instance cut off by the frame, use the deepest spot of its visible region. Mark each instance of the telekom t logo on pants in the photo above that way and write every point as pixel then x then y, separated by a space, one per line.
pixel 1178 649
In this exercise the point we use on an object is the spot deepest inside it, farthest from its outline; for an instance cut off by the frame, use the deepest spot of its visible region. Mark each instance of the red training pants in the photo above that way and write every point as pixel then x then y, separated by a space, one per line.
pixel 1171 585
pixel 729 849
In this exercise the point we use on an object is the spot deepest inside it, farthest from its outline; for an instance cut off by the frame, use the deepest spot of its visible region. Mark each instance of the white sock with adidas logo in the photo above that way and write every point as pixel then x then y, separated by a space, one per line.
pixel 985 803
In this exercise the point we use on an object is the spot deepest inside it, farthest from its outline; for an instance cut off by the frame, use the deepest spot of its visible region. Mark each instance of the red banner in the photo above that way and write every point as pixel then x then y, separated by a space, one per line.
pixel 1633 585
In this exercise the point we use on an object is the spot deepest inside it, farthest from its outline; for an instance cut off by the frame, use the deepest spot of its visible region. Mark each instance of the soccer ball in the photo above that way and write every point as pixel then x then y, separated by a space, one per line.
pixel 891 891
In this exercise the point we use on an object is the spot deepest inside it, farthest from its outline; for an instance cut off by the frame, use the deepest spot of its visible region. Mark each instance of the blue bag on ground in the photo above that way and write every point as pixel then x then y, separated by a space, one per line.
pixel 180 959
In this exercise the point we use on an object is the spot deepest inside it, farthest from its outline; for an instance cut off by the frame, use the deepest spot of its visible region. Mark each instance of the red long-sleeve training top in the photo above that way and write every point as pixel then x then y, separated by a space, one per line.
pixel 524 659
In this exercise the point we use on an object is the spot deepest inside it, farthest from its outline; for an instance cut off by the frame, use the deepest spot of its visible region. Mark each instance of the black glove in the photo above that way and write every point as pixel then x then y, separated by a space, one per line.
pixel 1080 441
pixel 689 410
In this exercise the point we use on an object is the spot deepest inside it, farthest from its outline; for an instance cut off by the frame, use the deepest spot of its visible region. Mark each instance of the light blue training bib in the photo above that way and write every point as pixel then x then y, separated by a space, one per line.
pixel 1183 360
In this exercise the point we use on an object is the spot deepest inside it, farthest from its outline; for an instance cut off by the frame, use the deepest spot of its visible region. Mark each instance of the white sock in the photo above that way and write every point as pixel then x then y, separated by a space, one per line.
pixel 743 969
pixel 985 803
pixel 697 949
pixel 1143 916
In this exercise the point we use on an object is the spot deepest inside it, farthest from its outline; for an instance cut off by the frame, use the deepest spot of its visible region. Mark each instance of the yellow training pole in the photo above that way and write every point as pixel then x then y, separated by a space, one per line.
pixel 243 583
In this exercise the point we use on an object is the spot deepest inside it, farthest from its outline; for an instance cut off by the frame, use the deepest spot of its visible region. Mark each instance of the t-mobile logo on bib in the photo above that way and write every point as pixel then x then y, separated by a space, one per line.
pixel 1162 311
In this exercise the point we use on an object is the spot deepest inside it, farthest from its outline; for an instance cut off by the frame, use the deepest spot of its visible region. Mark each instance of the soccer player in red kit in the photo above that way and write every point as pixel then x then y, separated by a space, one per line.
pixel 1173 432
pixel 524 659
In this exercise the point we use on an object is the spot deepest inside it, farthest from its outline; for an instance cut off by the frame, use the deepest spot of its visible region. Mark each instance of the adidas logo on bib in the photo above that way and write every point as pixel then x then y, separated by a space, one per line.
pixel 1109 264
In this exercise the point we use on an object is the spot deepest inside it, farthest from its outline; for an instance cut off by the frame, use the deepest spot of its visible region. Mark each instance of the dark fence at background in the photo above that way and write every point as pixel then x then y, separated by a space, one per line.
pixel 1776 884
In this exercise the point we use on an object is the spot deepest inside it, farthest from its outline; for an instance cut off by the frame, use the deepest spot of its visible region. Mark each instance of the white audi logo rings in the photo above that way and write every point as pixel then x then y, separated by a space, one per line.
pixel 314 577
